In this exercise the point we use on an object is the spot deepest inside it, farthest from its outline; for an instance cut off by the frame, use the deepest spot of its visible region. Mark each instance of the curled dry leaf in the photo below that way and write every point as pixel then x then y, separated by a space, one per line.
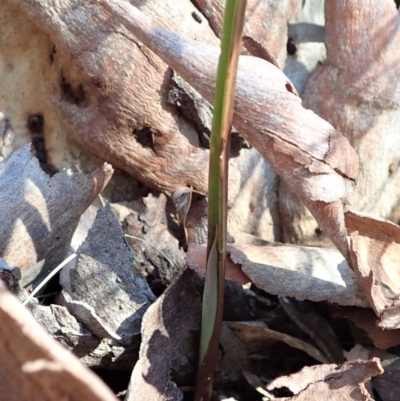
pixel 33 366
pixel 374 250
pixel 106 294
pixel 167 322
pixel 42 212
pixel 331 382
pixel 317 274
pixel 192 211
pixel 315 160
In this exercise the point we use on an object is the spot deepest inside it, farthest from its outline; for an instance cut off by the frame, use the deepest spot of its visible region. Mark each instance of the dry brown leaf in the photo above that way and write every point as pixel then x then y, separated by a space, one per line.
pixel 42 212
pixel 33 366
pixel 316 326
pixel 366 320
pixel 105 292
pixel 388 383
pixel 374 250
pixel 165 325
pixel 331 382
pixel 294 271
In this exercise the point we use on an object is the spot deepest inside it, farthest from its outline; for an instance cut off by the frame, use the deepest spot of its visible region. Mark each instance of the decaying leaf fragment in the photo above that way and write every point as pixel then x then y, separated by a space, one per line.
pixel 40 213
pixel 317 274
pixel 105 293
pixel 34 367
pixel 330 382
pixel 166 323
pixel 375 252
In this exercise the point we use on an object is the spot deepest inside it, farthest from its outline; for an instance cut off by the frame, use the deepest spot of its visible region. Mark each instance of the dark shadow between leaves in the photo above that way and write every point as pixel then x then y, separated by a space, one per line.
pixel 166 324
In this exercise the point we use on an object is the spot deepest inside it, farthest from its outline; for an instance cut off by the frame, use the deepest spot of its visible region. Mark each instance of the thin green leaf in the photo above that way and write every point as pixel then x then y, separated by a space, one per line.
pixel 213 296
pixel 210 302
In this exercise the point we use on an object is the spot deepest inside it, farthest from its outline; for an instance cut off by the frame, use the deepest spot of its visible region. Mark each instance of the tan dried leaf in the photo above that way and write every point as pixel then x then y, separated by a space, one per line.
pixel 374 251
pixel 317 274
pixel 33 366
pixel 331 382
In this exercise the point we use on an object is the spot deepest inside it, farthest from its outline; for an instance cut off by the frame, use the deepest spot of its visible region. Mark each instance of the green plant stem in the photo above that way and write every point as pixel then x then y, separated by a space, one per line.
pixel 213 297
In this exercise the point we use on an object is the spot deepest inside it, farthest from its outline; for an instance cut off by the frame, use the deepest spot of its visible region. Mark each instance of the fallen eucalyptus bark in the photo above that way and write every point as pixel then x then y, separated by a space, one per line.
pixel 314 159
pixel 33 366
pixel 316 274
pixel 40 213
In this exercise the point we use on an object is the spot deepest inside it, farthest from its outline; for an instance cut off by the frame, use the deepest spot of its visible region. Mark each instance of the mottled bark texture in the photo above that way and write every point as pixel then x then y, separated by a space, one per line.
pixel 357 91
